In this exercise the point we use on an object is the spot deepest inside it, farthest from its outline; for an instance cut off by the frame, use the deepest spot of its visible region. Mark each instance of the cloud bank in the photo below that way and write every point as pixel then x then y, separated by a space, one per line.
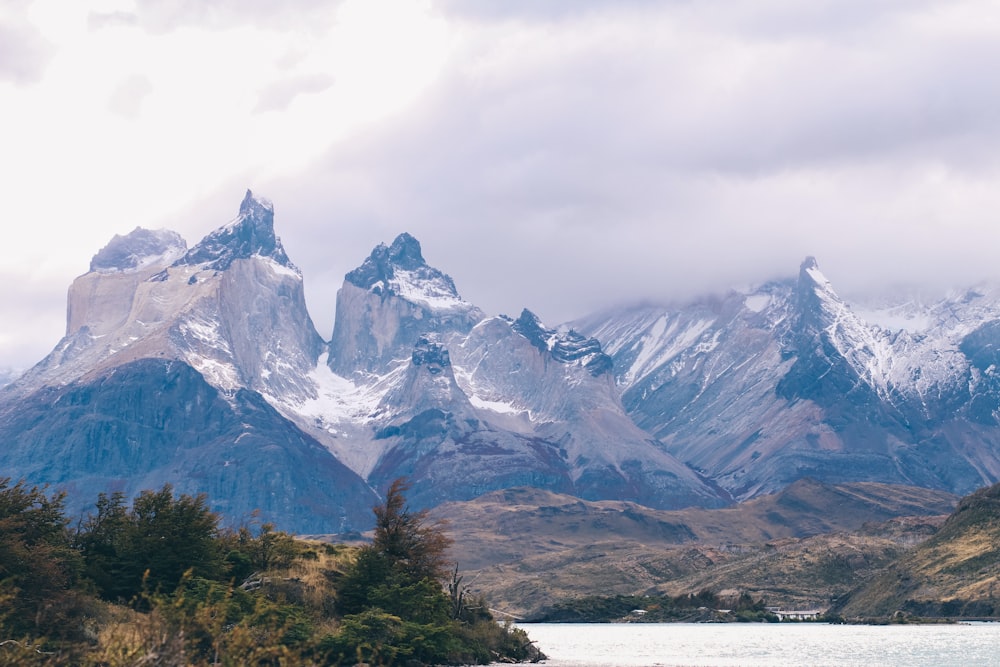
pixel 566 156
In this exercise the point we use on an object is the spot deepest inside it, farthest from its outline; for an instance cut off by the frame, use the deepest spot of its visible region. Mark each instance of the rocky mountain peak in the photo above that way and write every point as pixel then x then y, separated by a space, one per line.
pixel 529 326
pixel 818 302
pixel 565 347
pixel 250 234
pixel 405 252
pixel 400 270
pixel 137 249
pixel 256 206
pixel 386 304
pixel 811 278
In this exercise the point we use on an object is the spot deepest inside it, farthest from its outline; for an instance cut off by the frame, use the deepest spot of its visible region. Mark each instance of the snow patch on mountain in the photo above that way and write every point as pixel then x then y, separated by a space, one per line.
pixel 280 269
pixel 756 303
pixel 427 289
pixel 207 351
pixel 651 341
pixel 341 412
pixel 500 407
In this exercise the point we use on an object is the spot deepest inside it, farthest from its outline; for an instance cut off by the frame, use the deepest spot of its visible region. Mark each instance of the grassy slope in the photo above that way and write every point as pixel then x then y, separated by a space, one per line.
pixel 954 573
pixel 526 548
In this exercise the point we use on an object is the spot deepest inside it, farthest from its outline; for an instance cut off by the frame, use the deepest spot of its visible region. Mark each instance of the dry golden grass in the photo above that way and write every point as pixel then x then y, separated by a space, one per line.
pixel 124 637
pixel 953 573
pixel 129 638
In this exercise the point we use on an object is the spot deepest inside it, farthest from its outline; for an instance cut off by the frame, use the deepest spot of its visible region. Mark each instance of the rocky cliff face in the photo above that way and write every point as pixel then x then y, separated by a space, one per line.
pixel 760 388
pixel 232 307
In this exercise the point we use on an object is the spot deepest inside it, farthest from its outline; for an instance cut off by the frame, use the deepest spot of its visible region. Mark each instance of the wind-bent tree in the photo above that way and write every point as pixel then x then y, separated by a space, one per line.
pixel 400 572
pixel 396 607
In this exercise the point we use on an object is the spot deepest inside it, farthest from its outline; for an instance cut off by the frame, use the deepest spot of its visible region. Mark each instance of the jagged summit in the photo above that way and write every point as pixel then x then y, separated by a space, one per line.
pixel 819 305
pixel 400 270
pixel 252 205
pixel 529 326
pixel 405 252
pixel 810 276
pixel 565 347
pixel 251 234
pixel 138 249
pixel 388 303
pixel 380 267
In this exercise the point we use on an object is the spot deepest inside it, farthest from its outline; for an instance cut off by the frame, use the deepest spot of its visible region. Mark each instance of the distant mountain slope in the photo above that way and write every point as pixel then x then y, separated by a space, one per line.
pixel 954 573
pixel 516 523
pixel 8 375
pixel 757 389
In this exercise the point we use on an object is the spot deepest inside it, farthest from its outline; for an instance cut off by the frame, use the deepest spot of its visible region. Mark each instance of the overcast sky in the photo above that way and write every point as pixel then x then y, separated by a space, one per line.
pixel 560 156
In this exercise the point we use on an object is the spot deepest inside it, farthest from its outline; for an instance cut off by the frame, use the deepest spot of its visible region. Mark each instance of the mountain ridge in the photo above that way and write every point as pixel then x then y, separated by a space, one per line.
pixel 414 382
pixel 731 397
pixel 758 388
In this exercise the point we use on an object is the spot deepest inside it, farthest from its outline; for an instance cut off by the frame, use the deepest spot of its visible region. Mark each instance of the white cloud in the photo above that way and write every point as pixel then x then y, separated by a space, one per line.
pixel 24 51
pixel 554 155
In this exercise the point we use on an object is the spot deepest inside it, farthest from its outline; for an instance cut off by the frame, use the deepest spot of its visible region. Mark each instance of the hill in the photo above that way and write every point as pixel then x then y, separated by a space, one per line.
pixel 809 543
pixel 953 574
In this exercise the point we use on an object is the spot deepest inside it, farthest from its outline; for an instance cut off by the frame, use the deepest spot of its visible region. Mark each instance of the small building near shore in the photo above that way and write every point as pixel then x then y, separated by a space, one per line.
pixel 799 615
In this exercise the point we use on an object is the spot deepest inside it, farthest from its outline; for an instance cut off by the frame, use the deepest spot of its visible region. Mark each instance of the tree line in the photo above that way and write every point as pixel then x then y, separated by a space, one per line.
pixel 157 581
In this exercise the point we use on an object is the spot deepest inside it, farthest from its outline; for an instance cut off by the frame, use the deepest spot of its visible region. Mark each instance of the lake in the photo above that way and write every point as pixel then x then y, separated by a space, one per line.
pixel 755 644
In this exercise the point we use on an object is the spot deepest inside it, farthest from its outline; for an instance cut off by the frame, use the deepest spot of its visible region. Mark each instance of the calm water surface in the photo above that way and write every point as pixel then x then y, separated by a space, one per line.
pixel 755 644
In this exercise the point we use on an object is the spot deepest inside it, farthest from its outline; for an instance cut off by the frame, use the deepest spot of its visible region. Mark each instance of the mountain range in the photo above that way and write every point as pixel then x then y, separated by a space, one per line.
pixel 758 388
pixel 201 367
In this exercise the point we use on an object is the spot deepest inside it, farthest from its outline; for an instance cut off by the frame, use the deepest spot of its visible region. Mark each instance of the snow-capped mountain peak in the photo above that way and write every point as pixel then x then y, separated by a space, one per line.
pixel 253 205
pixel 566 347
pixel 529 326
pixel 137 250
pixel 809 271
pixel 389 302
pixel 250 234
pixel 400 270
